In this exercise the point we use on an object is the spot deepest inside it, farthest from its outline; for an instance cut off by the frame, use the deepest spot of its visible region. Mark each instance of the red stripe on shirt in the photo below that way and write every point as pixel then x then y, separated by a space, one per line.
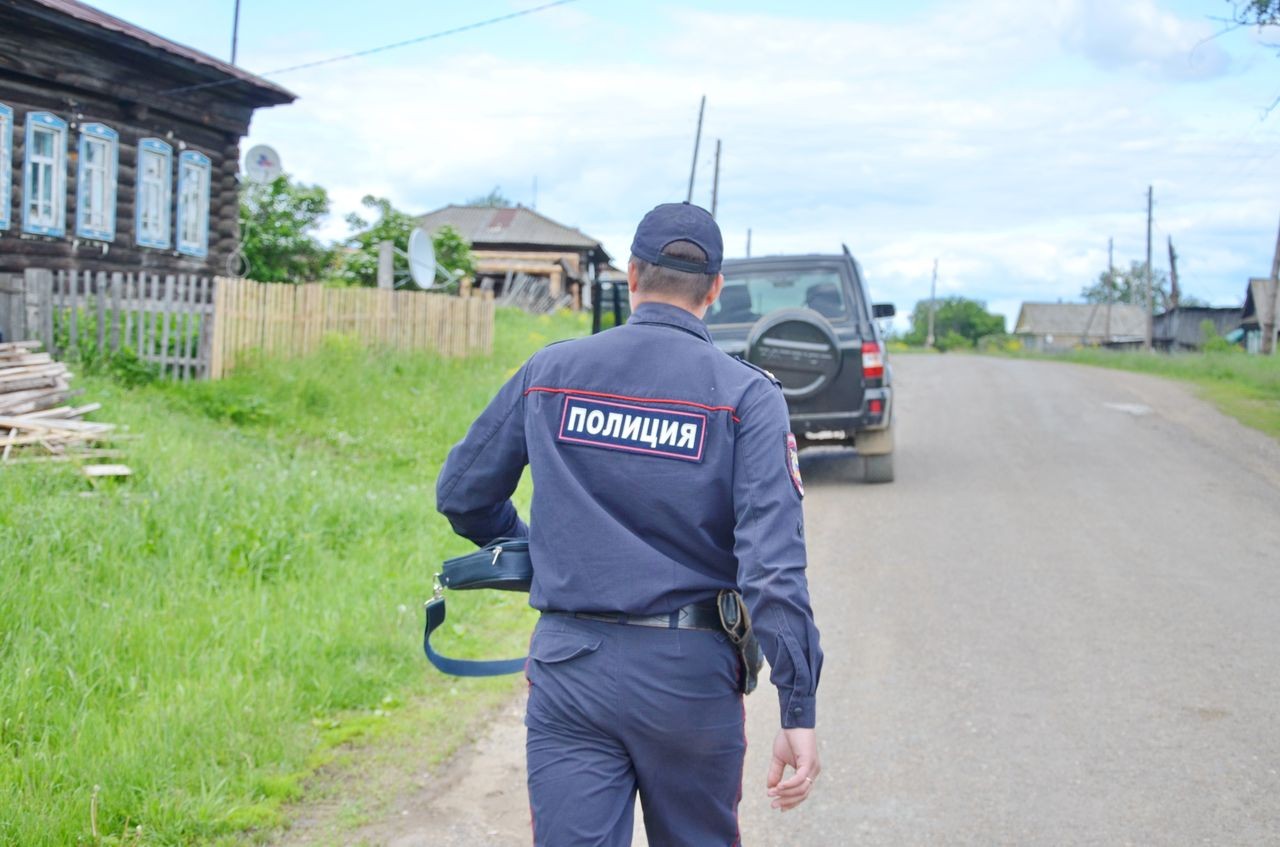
pixel 547 390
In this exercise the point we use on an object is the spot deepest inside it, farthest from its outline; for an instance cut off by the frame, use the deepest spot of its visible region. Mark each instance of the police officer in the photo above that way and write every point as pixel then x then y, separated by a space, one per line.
pixel 664 472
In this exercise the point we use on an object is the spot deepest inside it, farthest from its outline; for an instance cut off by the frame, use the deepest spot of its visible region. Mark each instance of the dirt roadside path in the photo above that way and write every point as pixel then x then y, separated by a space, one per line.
pixel 1057 627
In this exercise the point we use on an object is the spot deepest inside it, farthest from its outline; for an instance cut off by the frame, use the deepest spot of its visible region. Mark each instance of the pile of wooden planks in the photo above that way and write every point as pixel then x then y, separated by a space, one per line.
pixel 36 422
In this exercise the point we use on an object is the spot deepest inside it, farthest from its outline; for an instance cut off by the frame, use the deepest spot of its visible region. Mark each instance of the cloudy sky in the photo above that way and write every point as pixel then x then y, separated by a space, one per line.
pixel 1009 139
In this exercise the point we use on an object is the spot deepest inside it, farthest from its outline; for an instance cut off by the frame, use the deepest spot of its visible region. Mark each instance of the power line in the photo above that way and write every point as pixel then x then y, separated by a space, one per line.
pixel 358 54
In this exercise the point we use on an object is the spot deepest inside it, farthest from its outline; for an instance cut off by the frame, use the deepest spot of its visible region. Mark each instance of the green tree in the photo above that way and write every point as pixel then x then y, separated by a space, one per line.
pixel 958 322
pixel 494 198
pixel 453 253
pixel 277 222
pixel 1129 286
pixel 360 260
pixel 1255 12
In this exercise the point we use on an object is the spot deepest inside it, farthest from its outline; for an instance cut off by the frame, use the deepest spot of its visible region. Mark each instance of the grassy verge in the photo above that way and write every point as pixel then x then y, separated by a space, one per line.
pixel 1245 387
pixel 179 651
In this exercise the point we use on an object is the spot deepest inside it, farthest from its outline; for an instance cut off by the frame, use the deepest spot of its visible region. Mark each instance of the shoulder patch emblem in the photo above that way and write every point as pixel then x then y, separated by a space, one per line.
pixel 633 429
pixel 793 464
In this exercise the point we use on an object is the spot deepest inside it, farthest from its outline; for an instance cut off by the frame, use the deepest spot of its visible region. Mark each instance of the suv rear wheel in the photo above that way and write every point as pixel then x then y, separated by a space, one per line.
pixel 799 347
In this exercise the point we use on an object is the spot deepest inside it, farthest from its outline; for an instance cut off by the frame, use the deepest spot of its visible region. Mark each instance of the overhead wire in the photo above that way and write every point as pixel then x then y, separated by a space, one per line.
pixel 380 49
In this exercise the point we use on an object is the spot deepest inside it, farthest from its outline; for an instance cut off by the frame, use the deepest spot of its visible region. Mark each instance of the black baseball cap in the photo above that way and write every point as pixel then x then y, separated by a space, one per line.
pixel 679 222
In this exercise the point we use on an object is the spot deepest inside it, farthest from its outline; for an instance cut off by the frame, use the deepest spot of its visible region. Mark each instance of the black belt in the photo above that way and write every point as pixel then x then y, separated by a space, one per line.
pixel 693 616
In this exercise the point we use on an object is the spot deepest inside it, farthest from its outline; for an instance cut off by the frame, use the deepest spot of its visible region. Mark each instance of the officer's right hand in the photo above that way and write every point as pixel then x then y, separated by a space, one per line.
pixel 799 749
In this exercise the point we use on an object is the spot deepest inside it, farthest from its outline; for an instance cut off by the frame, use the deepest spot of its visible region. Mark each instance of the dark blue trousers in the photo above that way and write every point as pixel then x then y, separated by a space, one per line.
pixel 615 710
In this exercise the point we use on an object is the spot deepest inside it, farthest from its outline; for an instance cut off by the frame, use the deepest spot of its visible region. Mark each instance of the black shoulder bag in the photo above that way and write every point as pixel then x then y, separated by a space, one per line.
pixel 502 564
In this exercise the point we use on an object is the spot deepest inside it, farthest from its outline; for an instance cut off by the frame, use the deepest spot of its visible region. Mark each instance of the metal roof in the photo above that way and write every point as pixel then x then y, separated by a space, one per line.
pixel 486 225
pixel 1088 320
pixel 273 93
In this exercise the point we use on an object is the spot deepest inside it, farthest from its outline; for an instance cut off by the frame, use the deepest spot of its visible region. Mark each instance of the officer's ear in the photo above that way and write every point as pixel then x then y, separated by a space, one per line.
pixel 633 276
pixel 715 290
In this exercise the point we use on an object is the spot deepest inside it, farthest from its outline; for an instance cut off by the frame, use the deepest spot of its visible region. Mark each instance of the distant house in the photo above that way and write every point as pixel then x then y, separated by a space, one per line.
pixel 510 241
pixel 1182 328
pixel 1257 298
pixel 119 149
pixel 1047 327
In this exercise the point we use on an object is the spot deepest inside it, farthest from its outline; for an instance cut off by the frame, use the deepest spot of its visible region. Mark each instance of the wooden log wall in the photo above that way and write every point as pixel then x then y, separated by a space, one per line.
pixel 82 74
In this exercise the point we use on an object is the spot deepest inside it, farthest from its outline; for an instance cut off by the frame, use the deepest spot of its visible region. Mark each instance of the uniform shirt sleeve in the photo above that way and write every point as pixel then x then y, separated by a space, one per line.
pixel 478 478
pixel 769 546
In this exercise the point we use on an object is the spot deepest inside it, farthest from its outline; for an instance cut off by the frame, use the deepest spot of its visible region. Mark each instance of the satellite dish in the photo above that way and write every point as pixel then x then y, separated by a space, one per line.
pixel 422 259
pixel 262 164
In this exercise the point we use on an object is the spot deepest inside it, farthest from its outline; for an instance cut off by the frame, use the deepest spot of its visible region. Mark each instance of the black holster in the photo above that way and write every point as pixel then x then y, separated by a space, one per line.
pixel 737 624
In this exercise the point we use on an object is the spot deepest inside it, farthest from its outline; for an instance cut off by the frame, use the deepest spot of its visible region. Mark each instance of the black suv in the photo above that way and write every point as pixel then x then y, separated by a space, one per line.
pixel 809 322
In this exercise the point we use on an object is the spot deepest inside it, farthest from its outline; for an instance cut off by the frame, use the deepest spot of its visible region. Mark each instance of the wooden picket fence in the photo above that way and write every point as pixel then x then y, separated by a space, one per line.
pixel 194 327
pixel 257 319
pixel 165 319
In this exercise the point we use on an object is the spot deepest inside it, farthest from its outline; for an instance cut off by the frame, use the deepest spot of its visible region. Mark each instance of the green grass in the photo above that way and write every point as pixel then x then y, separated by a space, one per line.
pixel 1245 387
pixel 190 644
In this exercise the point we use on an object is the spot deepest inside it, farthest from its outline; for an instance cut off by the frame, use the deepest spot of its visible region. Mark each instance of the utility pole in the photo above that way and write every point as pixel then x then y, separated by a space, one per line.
pixel 697 138
pixel 715 182
pixel 386 264
pixel 933 303
pixel 1111 284
pixel 1268 324
pixel 1175 294
pixel 1147 346
pixel 748 242
pixel 235 31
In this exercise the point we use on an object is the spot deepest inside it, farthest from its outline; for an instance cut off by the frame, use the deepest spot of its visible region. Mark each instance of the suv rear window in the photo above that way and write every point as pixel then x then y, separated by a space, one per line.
pixel 749 296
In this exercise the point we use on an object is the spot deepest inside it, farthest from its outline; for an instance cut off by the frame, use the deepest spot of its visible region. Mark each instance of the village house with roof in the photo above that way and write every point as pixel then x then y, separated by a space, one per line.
pixel 507 242
pixel 119 149
pixel 1047 327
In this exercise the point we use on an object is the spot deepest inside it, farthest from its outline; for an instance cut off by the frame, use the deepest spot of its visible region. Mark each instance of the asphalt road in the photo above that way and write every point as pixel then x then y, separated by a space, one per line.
pixel 1059 626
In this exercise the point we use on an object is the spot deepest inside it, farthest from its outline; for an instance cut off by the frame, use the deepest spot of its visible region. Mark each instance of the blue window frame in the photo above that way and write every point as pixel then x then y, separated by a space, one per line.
pixel 193 203
pixel 44 175
pixel 96 182
pixel 6 164
pixel 154 194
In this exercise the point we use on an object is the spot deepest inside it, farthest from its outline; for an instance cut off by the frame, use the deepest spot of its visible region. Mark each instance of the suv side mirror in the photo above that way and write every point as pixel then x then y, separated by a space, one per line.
pixel 883 310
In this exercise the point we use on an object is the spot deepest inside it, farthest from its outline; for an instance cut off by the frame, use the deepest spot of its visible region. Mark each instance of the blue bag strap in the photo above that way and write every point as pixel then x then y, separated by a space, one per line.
pixel 461 667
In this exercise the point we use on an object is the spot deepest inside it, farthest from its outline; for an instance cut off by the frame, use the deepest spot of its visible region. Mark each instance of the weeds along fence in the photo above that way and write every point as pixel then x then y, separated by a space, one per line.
pixel 193 327
pixel 255 320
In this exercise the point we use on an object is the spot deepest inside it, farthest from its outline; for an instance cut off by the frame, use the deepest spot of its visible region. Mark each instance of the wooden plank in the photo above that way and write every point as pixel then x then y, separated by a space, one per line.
pixel 189 328
pixel 223 324
pixel 46 309
pixel 140 321
pixel 117 280
pixel 242 310
pixel 98 471
pixel 165 315
pixel 54 425
pixel 72 300
pixel 215 324
pixel 100 301
pixel 58 323
pixel 204 337
pixel 127 306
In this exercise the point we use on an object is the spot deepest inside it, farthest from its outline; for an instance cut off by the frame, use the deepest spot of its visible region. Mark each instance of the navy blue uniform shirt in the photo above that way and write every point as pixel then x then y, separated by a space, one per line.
pixel 661 475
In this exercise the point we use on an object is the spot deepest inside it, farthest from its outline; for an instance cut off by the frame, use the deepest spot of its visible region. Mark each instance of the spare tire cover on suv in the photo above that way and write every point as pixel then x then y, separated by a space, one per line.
pixel 799 347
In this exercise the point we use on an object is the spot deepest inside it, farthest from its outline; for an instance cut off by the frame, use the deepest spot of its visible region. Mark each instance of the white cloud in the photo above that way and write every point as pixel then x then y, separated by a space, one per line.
pixel 1137 33
pixel 958 135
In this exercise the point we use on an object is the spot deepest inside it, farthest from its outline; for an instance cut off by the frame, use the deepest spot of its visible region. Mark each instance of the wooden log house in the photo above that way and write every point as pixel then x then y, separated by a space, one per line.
pixel 517 240
pixel 119 149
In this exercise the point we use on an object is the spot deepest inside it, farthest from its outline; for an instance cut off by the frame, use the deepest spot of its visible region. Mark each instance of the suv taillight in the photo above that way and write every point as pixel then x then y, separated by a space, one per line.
pixel 872 360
